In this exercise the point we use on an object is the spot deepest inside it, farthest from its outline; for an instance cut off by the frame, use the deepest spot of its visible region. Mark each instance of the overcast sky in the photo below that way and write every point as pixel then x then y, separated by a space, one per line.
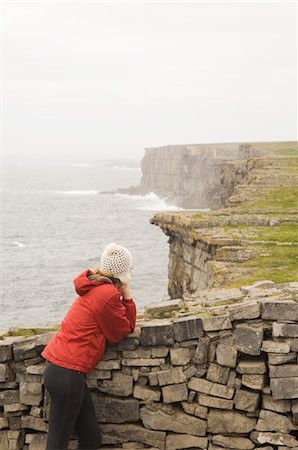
pixel 87 80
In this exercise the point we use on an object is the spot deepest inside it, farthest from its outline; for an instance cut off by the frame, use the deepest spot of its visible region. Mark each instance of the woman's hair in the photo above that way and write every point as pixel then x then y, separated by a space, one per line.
pixel 100 274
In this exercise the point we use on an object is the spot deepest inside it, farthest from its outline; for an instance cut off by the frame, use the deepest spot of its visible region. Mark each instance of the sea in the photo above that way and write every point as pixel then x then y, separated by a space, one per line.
pixel 56 221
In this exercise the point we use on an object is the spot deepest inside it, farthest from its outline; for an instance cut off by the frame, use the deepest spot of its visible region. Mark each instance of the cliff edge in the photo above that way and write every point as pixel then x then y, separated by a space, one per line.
pixel 252 237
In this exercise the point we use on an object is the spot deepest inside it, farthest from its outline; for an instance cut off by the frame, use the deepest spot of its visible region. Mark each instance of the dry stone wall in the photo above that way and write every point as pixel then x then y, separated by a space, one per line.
pixel 225 381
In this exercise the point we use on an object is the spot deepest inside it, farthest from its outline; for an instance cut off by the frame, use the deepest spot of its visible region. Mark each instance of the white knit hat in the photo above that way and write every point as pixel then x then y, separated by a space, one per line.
pixel 117 261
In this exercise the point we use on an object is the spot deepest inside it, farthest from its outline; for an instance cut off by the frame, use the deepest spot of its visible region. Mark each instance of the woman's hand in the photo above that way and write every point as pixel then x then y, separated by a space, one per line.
pixel 125 290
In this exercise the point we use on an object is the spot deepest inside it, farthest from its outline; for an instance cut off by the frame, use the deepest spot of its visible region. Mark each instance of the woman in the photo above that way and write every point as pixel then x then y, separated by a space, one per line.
pixel 103 312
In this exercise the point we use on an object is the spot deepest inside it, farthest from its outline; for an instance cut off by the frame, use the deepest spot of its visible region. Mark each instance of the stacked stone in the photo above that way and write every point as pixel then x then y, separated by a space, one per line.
pixel 214 382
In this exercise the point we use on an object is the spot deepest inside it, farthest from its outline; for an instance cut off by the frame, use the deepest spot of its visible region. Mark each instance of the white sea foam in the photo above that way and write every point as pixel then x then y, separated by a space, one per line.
pixel 149 202
pixel 18 244
pixel 75 192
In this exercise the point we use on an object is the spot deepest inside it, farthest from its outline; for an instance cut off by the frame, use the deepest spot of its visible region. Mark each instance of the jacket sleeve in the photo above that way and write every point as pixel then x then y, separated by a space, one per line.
pixel 116 318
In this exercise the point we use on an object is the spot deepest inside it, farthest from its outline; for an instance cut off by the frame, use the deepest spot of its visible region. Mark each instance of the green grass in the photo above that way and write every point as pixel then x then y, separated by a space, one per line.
pixel 279 199
pixel 285 232
pixel 26 332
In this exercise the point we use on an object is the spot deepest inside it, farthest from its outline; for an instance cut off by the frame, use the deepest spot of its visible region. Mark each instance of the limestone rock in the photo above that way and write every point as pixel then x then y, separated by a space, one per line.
pixel 180 356
pixel 30 393
pixel 171 376
pixel 201 353
pixel 116 434
pixel 214 389
pixel 282 406
pixel 150 362
pixel 226 355
pixel 9 396
pixel 229 422
pixel 249 339
pixel 195 409
pixel 245 311
pixel 284 329
pixel 275 347
pixel 172 420
pixel 246 400
pixel 271 421
pixel 260 437
pixel 277 358
pixel 251 367
pixel 3 423
pixel 217 373
pixel 157 333
pixel 215 402
pixel 146 393
pixel 34 423
pixel 121 385
pixel 184 441
pixel 284 388
pixel 216 323
pixel 175 393
pixel 188 328
pixel 279 310
pixel 240 443
pixel 283 371
pixel 158 309
pixel 114 410
pixel 253 381
pixel 222 295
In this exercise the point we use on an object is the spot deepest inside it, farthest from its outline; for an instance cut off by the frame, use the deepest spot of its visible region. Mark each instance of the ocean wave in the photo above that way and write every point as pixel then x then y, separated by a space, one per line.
pixel 75 192
pixel 18 244
pixel 149 202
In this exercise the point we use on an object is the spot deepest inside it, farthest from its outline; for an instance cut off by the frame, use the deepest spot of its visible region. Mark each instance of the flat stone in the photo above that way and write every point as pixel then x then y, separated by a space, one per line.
pixel 270 403
pixel 275 347
pixel 284 329
pixel 121 385
pixel 149 362
pixel 251 367
pixel 284 388
pixel 279 310
pixel 30 347
pixel 37 441
pixel 253 381
pixel 226 355
pixel 30 393
pixel 146 393
pixel 275 359
pixel 190 372
pixel 217 373
pixel 6 373
pixel 272 421
pixel 9 396
pixel 215 402
pixel 36 369
pixel 221 296
pixel 181 441
pixel 129 343
pixel 239 443
pixel 246 400
pixel 160 308
pixel 170 419
pixel 138 353
pixel 216 323
pixel 3 423
pixel 195 410
pixel 249 339
pixel 174 393
pixel 229 422
pixel 108 365
pixel 180 356
pixel 293 343
pixel 283 371
pixel 260 437
pixel 201 352
pixel 157 333
pixel 34 423
pixel 188 328
pixel 171 376
pixel 214 389
pixel 115 410
pixel 117 434
pixel 4 440
pixel 15 407
pixel 160 352
pixel 245 311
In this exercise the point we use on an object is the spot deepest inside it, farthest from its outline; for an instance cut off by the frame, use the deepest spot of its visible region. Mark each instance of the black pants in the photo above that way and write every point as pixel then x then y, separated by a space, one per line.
pixel 71 409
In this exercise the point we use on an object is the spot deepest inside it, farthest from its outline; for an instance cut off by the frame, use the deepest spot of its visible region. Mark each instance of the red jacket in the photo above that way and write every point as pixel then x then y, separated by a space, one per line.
pixel 97 316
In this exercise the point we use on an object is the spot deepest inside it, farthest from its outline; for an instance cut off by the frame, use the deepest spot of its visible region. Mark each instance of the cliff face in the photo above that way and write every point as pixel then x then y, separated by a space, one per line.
pixel 253 237
pixel 195 176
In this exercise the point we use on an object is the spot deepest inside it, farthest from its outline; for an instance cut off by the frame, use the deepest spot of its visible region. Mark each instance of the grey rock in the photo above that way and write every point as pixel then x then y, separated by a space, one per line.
pixel 275 347
pixel 216 323
pixel 174 393
pixel 149 362
pixel 272 421
pixel 30 393
pixel 260 437
pixel 284 329
pixel 254 381
pixel 188 328
pixel 214 389
pixel 201 352
pixel 240 443
pixel 171 376
pixel 9 396
pixel 195 410
pixel 222 296
pixel 115 410
pixel 214 402
pixel 245 311
pixel 283 371
pixel 160 308
pixel 180 356
pixel 279 310
pixel 251 367
pixel 249 339
pixel 270 403
pixel 146 393
pixel 275 359
pixel 121 385
pixel 157 333
pixel 217 373
pixel 183 441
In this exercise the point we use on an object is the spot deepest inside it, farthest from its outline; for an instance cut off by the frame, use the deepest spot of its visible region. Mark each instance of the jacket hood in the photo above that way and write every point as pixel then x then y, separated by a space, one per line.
pixel 84 282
